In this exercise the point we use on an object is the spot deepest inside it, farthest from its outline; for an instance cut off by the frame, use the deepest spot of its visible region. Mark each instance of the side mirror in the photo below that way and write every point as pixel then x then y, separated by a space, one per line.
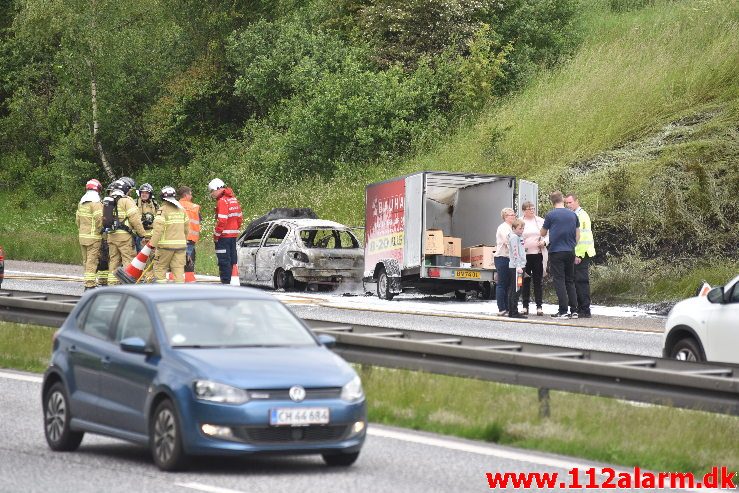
pixel 134 345
pixel 716 295
pixel 327 340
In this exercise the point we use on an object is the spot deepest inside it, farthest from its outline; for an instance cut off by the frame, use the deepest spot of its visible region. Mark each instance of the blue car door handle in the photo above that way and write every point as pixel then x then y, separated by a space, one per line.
pixel 72 349
pixel 105 360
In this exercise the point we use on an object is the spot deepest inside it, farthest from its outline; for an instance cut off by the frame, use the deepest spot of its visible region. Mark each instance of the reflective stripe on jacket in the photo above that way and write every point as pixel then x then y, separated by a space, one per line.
pixel 193 213
pixel 171 226
pixel 228 216
pixel 128 214
pixel 586 245
pixel 89 219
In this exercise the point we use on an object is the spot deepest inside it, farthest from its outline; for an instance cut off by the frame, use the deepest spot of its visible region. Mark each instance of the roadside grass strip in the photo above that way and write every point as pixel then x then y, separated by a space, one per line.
pixel 594 428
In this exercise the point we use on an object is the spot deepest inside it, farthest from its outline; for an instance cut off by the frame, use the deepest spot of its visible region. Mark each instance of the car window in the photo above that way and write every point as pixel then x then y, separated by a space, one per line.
pixel 231 323
pixel 254 238
pixel 735 293
pixel 83 313
pixel 134 321
pixel 276 236
pixel 99 319
pixel 328 238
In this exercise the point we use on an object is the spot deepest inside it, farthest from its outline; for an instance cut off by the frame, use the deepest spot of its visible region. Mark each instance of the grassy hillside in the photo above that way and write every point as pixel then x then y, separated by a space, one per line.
pixel 642 121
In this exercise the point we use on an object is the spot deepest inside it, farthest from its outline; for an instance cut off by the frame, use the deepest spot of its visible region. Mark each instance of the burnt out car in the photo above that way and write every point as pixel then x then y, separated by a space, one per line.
pixel 294 253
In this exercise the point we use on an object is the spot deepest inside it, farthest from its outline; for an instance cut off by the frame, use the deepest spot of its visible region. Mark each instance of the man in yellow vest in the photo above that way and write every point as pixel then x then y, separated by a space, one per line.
pixel 89 219
pixel 584 251
pixel 193 213
pixel 126 224
pixel 171 226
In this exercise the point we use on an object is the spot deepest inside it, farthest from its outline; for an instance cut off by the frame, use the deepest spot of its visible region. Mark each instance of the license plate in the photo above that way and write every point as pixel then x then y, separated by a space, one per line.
pixel 466 274
pixel 298 416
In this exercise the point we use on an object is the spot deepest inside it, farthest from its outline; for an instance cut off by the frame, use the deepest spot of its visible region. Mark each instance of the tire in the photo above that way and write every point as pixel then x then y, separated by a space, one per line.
pixel 460 295
pixel 340 460
pixel 687 349
pixel 165 438
pixel 283 280
pixel 383 285
pixel 57 417
pixel 488 291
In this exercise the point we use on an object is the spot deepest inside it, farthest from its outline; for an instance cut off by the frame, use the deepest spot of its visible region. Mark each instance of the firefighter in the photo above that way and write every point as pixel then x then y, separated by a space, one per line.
pixel 148 207
pixel 122 223
pixel 89 219
pixel 171 227
pixel 228 222
pixel 193 213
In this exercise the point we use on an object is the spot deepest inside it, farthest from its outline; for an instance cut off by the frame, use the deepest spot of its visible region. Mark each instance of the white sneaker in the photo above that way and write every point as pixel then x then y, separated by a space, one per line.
pixel 524 311
pixel 540 312
pixel 574 315
pixel 504 313
pixel 560 315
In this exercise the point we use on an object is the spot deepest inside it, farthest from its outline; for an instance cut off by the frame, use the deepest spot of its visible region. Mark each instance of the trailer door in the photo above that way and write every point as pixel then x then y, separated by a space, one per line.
pixel 528 191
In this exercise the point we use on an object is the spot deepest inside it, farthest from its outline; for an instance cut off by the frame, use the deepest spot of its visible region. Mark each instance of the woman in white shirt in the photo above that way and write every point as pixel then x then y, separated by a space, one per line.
pixel 536 257
pixel 501 260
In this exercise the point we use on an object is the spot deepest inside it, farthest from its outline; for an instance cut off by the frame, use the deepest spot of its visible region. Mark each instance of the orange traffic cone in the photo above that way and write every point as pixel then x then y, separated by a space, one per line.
pixel 133 271
pixel 235 276
pixel 189 276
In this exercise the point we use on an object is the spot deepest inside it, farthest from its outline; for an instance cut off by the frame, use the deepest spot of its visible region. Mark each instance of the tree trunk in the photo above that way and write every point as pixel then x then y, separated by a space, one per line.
pixel 98 146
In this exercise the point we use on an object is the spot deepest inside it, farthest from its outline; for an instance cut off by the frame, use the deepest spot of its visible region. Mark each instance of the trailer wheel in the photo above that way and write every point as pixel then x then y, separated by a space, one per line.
pixel 383 285
pixel 460 295
pixel 488 290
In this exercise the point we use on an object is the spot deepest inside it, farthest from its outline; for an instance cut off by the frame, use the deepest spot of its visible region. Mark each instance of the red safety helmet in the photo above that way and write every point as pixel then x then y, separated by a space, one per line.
pixel 94 185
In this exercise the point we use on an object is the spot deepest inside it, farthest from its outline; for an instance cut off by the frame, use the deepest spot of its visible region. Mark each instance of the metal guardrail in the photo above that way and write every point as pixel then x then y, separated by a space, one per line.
pixel 703 386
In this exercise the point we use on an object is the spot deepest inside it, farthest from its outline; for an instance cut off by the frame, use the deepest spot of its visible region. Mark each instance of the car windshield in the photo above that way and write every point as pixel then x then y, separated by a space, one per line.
pixel 231 323
pixel 328 238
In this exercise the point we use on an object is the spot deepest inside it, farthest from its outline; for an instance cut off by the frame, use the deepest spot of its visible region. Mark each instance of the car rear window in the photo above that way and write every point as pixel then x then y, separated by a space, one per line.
pixel 231 323
pixel 328 238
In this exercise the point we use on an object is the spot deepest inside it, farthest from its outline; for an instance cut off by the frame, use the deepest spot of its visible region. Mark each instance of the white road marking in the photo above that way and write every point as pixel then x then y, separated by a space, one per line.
pixel 20 376
pixel 206 487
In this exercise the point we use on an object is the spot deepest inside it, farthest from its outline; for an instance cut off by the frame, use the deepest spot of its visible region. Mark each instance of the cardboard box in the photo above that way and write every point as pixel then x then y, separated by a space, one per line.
pixel 479 256
pixel 434 244
pixel 452 246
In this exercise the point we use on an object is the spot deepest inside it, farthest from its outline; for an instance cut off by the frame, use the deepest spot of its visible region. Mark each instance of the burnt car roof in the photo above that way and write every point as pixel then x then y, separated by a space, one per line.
pixel 307 223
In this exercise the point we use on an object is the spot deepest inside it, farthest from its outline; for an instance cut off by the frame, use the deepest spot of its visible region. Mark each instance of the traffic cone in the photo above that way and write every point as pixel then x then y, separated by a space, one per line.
pixel 133 271
pixel 235 276
pixel 190 276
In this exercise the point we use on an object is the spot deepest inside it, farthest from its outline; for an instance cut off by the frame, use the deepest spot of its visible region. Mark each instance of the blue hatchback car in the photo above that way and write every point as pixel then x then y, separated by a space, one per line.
pixel 192 370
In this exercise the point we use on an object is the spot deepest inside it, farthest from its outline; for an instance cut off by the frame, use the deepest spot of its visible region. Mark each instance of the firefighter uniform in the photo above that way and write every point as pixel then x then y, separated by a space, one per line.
pixel 120 240
pixel 148 211
pixel 89 219
pixel 171 227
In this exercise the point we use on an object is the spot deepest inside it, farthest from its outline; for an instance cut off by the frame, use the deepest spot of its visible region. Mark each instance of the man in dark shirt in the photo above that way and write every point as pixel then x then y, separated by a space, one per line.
pixel 562 226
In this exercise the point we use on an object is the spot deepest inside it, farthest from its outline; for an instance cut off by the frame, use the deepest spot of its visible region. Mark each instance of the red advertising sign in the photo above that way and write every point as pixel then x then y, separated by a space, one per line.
pixel 384 222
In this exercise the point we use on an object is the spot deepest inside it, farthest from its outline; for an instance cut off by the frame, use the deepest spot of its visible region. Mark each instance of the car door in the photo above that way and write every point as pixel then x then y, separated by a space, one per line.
pixel 247 253
pixel 125 377
pixel 723 327
pixel 267 254
pixel 86 347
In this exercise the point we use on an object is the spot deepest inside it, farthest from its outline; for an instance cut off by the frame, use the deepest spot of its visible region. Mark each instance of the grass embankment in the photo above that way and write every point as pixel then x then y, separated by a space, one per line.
pixel 642 122
pixel 607 430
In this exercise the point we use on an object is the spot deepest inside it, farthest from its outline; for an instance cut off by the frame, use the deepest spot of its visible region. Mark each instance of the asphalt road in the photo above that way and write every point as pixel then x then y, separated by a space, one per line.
pixel 393 460
pixel 633 335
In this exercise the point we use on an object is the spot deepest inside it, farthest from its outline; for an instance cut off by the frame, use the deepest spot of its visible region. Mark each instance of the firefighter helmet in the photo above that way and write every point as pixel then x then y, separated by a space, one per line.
pixel 120 187
pixel 146 187
pixel 129 181
pixel 170 195
pixel 94 185
pixel 216 184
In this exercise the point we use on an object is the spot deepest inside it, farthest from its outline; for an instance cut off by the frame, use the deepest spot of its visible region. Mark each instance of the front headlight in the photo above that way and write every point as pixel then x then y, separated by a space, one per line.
pixel 205 390
pixel 352 391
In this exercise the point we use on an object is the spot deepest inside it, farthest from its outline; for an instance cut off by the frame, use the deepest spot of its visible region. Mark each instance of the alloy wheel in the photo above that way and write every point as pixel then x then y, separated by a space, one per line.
pixel 56 416
pixel 165 434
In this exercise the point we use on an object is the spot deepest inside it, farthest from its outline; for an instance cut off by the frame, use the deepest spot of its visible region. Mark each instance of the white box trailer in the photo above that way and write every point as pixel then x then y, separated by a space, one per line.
pixel 463 205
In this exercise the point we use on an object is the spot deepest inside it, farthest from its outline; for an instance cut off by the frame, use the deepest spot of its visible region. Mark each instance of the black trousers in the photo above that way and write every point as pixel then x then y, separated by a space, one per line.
pixel 562 268
pixel 226 254
pixel 512 292
pixel 535 270
pixel 582 285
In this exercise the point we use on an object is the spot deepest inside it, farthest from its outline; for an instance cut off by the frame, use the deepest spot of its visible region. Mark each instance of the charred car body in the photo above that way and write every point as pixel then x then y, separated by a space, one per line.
pixel 293 253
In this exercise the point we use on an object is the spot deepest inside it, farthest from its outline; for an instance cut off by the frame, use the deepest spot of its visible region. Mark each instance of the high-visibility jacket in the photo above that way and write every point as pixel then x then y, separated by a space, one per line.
pixel 171 226
pixel 193 213
pixel 586 245
pixel 228 216
pixel 129 215
pixel 89 219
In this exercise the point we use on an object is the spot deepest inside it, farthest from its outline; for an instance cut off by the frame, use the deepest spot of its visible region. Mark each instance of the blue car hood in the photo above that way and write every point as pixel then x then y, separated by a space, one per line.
pixel 269 368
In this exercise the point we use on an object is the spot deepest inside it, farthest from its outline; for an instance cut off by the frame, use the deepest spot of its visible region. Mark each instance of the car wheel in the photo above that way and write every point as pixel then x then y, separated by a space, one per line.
pixel 165 439
pixel 460 295
pixel 340 460
pixel 687 349
pixel 57 416
pixel 383 285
